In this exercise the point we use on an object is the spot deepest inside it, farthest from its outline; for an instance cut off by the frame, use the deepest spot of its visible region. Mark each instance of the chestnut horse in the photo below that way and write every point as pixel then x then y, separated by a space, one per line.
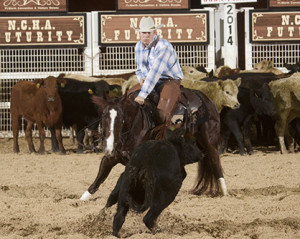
pixel 126 124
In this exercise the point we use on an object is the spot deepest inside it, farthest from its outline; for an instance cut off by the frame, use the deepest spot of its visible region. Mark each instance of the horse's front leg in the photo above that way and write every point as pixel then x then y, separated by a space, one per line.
pixel 107 163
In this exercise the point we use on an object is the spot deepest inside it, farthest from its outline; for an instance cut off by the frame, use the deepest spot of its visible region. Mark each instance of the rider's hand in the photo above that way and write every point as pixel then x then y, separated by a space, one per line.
pixel 139 100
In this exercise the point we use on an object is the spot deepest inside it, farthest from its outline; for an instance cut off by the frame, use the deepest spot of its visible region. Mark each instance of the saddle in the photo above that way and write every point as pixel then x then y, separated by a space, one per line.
pixel 189 111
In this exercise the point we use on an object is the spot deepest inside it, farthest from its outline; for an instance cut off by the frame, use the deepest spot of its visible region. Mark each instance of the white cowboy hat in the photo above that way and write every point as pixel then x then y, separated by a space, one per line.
pixel 147 25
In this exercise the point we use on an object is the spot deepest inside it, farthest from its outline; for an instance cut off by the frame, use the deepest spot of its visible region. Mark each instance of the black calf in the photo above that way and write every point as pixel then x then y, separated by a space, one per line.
pixel 238 122
pixel 153 177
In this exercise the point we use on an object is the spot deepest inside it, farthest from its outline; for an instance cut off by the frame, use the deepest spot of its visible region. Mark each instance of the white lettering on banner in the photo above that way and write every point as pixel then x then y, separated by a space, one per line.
pixel 285 20
pixel 41 30
pixel 120 28
pixel 179 32
pixel 40 36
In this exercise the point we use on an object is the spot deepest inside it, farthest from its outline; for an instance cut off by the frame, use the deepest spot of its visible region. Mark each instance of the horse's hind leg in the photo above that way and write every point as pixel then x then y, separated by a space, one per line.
pixel 210 168
pixel 107 163
pixel 217 169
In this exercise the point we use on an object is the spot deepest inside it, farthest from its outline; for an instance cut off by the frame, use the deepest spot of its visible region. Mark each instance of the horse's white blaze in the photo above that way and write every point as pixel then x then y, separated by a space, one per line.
pixel 110 139
pixel 223 186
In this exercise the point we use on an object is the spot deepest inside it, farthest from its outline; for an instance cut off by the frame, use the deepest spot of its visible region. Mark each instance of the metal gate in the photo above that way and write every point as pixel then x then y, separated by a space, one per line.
pixel 33 63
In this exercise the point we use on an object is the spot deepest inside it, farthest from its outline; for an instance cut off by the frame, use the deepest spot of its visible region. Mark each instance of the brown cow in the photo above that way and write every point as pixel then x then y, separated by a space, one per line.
pixel 226 71
pixel 38 102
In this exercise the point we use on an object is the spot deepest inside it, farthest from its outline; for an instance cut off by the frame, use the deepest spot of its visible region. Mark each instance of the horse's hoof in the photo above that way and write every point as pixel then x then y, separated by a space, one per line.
pixel 86 196
pixel 222 186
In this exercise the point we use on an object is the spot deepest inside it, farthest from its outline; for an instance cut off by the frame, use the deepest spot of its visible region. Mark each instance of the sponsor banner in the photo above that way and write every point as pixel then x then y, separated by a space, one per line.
pixel 284 3
pixel 274 26
pixel 179 28
pixel 152 4
pixel 20 31
pixel 21 6
pixel 206 2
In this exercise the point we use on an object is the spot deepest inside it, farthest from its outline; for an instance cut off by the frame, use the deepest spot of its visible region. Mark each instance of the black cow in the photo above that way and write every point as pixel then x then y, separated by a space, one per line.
pixel 153 177
pixel 202 69
pixel 292 67
pixel 257 102
pixel 253 80
pixel 78 109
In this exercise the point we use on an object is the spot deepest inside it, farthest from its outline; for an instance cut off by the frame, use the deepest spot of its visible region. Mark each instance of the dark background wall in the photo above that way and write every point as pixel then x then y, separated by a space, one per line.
pixel 103 5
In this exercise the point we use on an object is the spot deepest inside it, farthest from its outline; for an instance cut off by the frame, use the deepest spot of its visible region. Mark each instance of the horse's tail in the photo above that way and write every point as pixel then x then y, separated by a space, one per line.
pixel 209 170
pixel 207 182
pixel 141 190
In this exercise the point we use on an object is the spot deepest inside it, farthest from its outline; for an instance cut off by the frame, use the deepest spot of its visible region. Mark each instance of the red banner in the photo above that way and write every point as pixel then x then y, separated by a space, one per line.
pixel 179 28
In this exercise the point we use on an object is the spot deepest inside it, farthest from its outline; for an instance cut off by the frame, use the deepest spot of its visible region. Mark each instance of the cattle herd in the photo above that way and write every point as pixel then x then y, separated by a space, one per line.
pixel 262 104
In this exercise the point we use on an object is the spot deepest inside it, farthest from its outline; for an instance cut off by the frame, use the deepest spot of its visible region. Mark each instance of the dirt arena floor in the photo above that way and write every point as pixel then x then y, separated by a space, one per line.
pixel 39 198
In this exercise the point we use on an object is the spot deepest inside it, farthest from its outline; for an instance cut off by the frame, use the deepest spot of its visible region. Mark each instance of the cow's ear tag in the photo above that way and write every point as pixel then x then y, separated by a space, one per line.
pixel 38 85
pixel 172 128
pixel 62 85
pixel 90 91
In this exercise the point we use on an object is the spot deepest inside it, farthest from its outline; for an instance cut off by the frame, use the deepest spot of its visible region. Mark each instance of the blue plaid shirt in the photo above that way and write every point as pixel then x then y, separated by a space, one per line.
pixel 157 60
